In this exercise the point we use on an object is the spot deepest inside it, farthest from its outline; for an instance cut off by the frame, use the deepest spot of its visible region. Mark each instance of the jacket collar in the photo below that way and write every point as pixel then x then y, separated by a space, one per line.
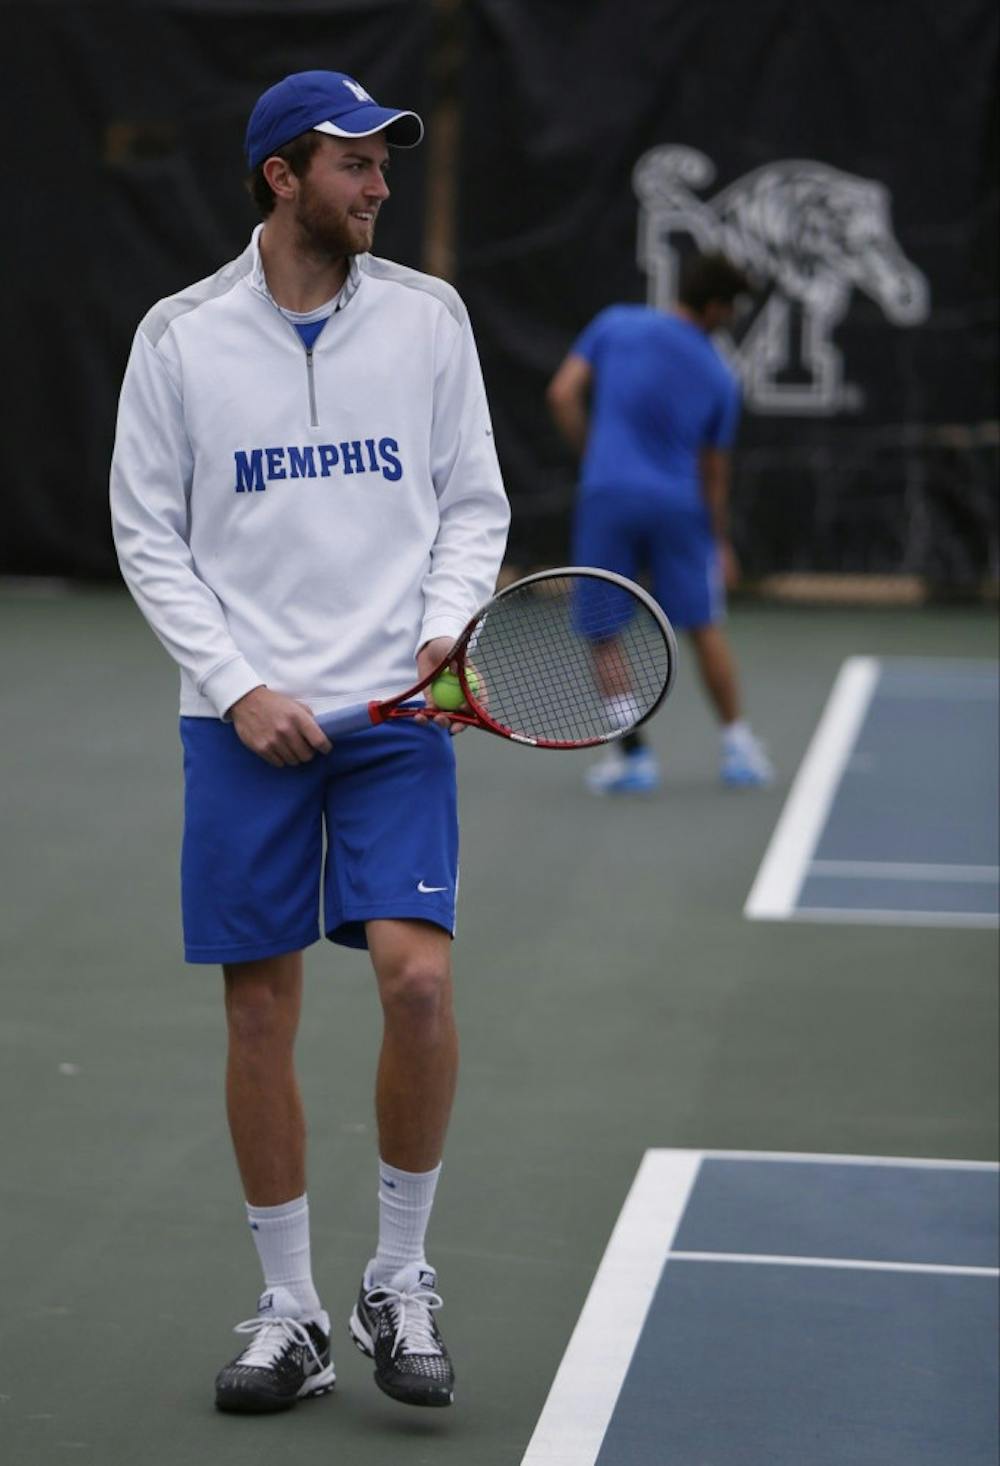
pixel 258 281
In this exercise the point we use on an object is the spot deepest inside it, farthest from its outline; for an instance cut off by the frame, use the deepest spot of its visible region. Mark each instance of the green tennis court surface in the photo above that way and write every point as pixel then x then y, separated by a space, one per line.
pixel 613 999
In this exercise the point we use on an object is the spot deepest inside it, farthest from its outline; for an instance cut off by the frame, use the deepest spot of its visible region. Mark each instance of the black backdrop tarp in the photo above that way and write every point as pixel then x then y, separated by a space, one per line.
pixel 123 178
pixel 122 169
pixel 895 471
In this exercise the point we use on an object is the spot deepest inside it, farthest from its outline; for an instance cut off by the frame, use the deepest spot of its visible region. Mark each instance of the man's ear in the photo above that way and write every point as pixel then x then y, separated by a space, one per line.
pixel 281 180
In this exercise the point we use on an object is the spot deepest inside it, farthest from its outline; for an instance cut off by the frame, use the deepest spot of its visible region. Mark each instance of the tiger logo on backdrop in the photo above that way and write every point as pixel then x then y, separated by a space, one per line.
pixel 810 235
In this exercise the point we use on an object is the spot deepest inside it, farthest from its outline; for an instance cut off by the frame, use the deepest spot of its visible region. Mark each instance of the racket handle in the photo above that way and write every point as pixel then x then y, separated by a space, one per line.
pixel 346 720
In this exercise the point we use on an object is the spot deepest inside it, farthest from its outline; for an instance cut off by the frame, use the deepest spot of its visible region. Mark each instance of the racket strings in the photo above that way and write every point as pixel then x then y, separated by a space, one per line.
pixel 570 659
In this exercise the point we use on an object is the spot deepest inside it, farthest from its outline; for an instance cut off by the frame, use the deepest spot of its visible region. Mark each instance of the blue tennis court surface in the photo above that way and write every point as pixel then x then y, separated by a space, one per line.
pixel 782 1310
pixel 893 816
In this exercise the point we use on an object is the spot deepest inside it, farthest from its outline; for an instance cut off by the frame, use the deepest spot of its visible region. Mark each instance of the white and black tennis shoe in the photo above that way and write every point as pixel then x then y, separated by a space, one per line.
pixel 287 1359
pixel 393 1323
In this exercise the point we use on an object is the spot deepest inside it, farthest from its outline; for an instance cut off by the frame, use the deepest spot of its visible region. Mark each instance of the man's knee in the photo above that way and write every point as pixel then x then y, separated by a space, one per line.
pixel 262 1001
pixel 416 986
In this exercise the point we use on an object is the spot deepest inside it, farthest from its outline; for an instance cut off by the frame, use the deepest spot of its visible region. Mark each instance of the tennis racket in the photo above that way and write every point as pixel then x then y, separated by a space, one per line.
pixel 566 658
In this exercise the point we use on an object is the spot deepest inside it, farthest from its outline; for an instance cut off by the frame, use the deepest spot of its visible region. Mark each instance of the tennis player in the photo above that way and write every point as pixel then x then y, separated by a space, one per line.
pixel 307 508
pixel 648 402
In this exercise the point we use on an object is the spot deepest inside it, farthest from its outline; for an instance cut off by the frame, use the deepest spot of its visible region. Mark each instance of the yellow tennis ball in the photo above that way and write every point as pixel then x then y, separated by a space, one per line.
pixel 446 690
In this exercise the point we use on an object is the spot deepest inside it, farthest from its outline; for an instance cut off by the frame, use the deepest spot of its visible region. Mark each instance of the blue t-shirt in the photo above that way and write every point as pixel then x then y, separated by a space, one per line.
pixel 660 393
pixel 309 330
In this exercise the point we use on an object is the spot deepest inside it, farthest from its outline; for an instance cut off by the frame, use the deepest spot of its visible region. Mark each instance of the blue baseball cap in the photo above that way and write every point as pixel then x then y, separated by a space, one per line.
pixel 323 101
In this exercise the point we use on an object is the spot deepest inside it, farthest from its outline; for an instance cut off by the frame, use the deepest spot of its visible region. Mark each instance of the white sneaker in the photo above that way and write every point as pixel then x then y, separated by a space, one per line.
pixel 619 772
pixel 745 764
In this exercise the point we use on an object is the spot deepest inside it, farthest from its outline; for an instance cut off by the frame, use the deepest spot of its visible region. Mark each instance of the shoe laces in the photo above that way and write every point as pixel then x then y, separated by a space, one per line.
pixel 412 1314
pixel 273 1337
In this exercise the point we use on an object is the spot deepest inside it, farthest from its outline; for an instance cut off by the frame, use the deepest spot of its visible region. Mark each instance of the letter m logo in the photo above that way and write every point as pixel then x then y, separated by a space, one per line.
pixel 249 471
pixel 357 89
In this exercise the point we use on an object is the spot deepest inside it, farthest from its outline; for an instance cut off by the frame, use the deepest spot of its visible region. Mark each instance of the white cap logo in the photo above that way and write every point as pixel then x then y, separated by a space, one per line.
pixel 358 90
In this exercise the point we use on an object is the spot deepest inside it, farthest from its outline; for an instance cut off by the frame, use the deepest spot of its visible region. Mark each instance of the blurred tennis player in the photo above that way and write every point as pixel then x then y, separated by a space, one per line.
pixel 648 402
pixel 307 508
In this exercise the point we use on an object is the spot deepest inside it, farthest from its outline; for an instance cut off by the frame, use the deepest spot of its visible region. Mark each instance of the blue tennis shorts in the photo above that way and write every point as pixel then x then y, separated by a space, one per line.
pixel 630 532
pixel 371 828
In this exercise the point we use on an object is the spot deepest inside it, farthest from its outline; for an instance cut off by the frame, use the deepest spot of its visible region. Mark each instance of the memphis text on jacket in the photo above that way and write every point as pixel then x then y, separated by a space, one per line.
pixel 257 467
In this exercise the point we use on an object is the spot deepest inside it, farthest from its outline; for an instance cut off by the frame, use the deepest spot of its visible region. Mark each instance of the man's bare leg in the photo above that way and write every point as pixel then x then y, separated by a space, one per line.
pixel 717 668
pixel 744 761
pixel 285 1360
pixel 417 1071
pixel 266 1119
pixel 418 1062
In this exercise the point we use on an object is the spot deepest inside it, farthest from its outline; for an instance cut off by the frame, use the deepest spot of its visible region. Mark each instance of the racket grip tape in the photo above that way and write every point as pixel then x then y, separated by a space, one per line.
pixel 346 720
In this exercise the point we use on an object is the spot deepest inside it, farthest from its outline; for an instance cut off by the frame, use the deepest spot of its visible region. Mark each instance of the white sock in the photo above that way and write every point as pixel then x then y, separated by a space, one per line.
pixel 622 710
pixel 281 1236
pixel 736 734
pixel 405 1199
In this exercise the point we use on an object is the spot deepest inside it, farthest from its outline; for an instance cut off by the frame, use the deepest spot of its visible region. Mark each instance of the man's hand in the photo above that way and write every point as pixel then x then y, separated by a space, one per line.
pixel 428 657
pixel 279 729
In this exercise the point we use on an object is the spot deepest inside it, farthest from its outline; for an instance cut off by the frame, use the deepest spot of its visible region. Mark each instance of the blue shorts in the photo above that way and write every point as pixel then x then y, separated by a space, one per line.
pixel 252 862
pixel 631 532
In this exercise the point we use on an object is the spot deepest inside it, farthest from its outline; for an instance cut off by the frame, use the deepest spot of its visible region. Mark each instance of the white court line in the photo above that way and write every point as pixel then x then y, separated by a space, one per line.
pixel 585 1390
pixel 861 916
pixel 768 1259
pixel 895 870
pixel 576 1415
pixel 783 869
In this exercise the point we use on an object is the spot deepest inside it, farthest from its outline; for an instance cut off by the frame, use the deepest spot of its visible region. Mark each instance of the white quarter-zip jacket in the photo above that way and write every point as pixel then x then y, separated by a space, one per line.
pixel 305 519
